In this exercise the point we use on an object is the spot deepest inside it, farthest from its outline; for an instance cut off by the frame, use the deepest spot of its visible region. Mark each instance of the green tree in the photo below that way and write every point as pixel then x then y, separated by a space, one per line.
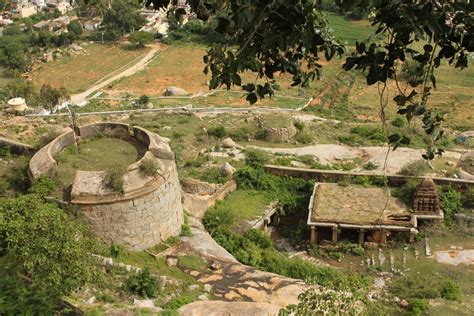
pixel 75 28
pixel 121 18
pixel 140 38
pixel 43 255
pixel 270 37
pixel 15 56
pixel 50 97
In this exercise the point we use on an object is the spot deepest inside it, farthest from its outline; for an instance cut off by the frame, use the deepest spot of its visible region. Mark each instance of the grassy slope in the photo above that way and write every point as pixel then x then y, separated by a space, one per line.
pixel 78 73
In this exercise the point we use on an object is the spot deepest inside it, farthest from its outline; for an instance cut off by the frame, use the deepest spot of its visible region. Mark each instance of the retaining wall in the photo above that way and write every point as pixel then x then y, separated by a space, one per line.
pixel 336 176
pixel 140 222
pixel 16 147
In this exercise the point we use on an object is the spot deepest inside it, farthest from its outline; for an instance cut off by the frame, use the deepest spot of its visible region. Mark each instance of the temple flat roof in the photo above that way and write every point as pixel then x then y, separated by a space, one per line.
pixel 357 206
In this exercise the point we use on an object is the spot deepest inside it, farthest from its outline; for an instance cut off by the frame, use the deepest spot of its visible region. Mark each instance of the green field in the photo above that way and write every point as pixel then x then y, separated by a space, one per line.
pixel 349 31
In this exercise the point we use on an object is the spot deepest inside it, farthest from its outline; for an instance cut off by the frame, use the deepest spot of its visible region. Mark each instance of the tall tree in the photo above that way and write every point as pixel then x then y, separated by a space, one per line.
pixel 43 255
pixel 122 17
pixel 50 97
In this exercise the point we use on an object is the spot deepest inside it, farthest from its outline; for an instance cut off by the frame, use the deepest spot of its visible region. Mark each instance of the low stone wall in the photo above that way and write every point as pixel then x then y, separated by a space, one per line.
pixel 157 145
pixel 16 147
pixel 193 186
pixel 336 176
pixel 42 162
pixel 197 205
pixel 140 222
pixel 280 135
pixel 111 129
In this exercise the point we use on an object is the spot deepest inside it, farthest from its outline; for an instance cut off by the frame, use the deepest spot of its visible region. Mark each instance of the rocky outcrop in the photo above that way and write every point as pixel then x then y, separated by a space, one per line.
pixel 220 308
pixel 175 91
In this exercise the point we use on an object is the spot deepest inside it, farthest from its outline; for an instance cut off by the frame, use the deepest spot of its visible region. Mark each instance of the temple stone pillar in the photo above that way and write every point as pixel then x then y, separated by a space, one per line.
pixel 314 235
pixel 361 236
pixel 334 234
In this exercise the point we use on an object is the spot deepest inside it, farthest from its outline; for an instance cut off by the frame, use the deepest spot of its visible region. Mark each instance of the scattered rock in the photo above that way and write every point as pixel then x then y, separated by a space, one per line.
pixel 166 128
pixel 404 303
pixel 370 245
pixel 450 163
pixel 203 297
pixel 227 169
pixel 396 299
pixel 91 300
pixel 143 303
pixel 215 265
pixel 171 261
pixel 193 287
pixel 175 91
pixel 107 261
pixel 379 283
pixel 149 105
pixel 128 268
pixel 208 288
pixel 228 143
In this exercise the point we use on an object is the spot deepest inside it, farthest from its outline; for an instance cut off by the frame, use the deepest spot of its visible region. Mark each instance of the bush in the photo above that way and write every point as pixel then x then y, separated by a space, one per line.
pixel 299 125
pixel 406 193
pixel 5 152
pixel 451 291
pixel 399 121
pixel 469 198
pixel 115 179
pixel 149 166
pixel 218 217
pixel 450 203
pixel 370 166
pixel 417 307
pixel 42 186
pixel 218 131
pixel 303 138
pixel 374 134
pixel 261 134
pixel 213 175
pixel 116 250
pixel 255 158
pixel 415 169
pixel 144 99
pixel 185 228
pixel 142 284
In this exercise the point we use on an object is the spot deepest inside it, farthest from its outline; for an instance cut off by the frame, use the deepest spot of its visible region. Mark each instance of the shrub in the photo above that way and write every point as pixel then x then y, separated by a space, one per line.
pixel 417 307
pixel 240 134
pixel 415 169
pixel 349 140
pixel 282 161
pixel 218 131
pixel 261 134
pixel 42 186
pixel 370 166
pixel 5 152
pixel 142 284
pixel 303 138
pixel 116 250
pixel 450 203
pixel 185 228
pixel 218 217
pixel 469 198
pixel 299 125
pixel 255 158
pixel 144 99
pixel 254 179
pixel 213 175
pixel 115 179
pixel 149 166
pixel 399 121
pixel 374 134
pixel 451 291
pixel 406 193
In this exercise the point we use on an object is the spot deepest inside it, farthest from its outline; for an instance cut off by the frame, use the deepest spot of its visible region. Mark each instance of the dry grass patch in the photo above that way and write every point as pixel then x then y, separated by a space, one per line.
pixel 80 72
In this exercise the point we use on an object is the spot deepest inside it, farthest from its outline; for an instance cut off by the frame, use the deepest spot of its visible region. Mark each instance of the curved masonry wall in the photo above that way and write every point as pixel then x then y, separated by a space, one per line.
pixel 150 208
pixel 140 222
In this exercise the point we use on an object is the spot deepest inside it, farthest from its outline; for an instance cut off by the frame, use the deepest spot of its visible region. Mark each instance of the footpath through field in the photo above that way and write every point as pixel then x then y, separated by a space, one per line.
pixel 140 65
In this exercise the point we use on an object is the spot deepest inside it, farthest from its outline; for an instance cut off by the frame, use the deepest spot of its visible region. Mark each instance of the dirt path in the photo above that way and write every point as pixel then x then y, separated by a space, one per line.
pixel 331 153
pixel 140 65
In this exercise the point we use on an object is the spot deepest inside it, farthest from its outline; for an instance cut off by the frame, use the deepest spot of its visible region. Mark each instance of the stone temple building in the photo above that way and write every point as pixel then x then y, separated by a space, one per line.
pixel 362 214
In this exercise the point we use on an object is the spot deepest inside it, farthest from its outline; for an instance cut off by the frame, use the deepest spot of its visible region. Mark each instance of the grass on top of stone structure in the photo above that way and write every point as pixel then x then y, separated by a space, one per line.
pixel 96 154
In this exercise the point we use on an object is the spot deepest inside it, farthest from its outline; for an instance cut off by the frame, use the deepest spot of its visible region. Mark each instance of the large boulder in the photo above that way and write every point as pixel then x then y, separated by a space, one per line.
pixel 228 143
pixel 227 169
pixel 218 308
pixel 175 92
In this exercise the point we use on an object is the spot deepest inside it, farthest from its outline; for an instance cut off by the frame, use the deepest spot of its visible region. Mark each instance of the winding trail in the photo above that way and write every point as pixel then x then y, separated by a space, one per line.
pixel 140 65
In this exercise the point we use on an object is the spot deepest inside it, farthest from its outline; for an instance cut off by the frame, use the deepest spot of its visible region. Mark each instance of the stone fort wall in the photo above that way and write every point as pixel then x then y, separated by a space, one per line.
pixel 148 211
pixel 140 222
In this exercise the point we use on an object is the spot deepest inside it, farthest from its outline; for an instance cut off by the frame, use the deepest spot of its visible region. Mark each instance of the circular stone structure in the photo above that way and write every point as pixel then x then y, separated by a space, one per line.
pixel 149 209
pixel 17 105
pixel 466 165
